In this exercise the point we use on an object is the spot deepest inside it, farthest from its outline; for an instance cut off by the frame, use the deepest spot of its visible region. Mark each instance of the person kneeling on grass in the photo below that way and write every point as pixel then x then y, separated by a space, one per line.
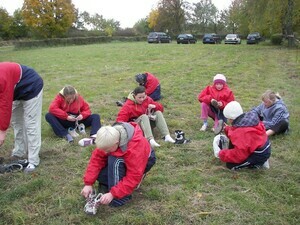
pixel 68 112
pixel 148 113
pixel 249 144
pixel 120 162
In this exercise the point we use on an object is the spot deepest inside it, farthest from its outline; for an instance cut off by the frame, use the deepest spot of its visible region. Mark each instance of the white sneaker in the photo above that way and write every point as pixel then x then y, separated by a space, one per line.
pixel 153 143
pixel 73 132
pixel 204 127
pixel 86 142
pixel 266 165
pixel 168 138
pixel 30 168
pixel 81 129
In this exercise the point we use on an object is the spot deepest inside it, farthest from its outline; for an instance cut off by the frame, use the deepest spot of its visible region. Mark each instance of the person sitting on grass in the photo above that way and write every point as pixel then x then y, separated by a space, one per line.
pixel 273 112
pixel 147 113
pixel 249 145
pixel 151 84
pixel 68 112
pixel 213 99
pixel 120 162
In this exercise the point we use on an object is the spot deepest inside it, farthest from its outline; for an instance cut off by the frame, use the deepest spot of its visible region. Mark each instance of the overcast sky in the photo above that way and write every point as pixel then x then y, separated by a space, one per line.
pixel 127 12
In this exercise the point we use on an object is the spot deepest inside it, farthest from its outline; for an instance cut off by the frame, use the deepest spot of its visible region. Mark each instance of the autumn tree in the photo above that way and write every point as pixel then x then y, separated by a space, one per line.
pixel 5 24
pixel 49 18
pixel 205 15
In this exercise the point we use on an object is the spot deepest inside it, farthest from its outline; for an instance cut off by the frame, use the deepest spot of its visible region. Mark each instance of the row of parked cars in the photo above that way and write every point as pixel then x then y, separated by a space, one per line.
pixel 211 38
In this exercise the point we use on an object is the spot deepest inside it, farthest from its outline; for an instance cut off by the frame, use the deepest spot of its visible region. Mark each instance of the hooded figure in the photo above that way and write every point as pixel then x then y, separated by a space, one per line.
pixel 151 84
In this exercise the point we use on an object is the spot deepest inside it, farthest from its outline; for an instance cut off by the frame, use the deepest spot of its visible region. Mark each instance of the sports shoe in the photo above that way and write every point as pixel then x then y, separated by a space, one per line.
pixel 204 127
pixel 266 165
pixel 214 103
pixel 81 129
pixel 30 168
pixel 153 143
pixel 73 132
pixel 86 142
pixel 12 167
pixel 219 128
pixel 93 202
pixel 168 138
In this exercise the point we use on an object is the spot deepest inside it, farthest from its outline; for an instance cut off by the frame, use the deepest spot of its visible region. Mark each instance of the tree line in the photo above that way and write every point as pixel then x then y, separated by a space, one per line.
pixel 39 19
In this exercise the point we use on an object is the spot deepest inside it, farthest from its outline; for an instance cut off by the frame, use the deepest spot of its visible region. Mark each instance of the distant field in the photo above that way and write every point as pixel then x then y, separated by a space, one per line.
pixel 187 185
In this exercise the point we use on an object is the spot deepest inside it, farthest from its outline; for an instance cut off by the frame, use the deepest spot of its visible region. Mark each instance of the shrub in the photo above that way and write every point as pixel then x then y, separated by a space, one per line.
pixel 276 39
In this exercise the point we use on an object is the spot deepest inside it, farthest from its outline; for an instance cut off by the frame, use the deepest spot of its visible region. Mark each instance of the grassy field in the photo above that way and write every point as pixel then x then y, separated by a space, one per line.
pixel 188 185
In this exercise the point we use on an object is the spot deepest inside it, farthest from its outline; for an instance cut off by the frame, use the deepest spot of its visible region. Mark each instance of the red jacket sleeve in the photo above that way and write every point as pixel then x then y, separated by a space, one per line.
pixel 97 162
pixel 10 74
pixel 151 84
pixel 205 95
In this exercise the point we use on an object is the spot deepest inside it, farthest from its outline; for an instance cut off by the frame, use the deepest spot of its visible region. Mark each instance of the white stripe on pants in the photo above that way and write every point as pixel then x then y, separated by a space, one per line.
pixel 26 122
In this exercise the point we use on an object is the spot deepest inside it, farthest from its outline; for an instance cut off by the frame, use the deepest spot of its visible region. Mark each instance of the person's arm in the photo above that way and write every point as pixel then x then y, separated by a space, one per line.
pixel 56 109
pixel 124 114
pixel 205 96
pixel 85 110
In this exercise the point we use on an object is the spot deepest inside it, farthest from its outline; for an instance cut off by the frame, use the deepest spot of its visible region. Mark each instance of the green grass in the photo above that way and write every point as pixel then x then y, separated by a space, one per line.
pixel 187 185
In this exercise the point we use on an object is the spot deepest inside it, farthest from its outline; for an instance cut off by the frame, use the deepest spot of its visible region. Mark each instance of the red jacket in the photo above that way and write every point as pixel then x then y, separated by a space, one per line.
pixel 131 110
pixel 245 141
pixel 135 157
pixel 151 84
pixel 210 92
pixel 60 108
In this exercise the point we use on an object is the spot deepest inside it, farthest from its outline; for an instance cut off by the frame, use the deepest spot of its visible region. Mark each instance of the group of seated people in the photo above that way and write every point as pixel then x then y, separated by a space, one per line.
pixel 246 140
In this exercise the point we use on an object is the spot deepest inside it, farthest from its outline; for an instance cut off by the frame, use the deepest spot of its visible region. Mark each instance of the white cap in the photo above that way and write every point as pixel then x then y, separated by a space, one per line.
pixel 232 110
pixel 219 78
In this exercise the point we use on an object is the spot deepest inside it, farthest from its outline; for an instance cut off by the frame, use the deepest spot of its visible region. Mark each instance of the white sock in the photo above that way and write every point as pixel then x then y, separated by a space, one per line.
pixel 153 143
pixel 169 139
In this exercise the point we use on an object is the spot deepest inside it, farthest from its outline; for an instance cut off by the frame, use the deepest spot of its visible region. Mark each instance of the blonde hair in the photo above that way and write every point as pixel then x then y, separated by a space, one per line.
pixel 106 137
pixel 69 90
pixel 270 95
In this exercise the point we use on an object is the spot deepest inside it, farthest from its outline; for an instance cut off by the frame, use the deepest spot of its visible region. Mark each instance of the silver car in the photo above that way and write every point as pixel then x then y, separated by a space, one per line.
pixel 232 39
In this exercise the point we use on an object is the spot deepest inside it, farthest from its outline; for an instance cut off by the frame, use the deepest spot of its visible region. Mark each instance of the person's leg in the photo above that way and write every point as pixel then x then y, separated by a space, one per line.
pixel 94 122
pixel 59 126
pixel 205 113
pixel 32 118
pixel 162 126
pixel 111 175
pixel 155 95
pixel 279 128
pixel 144 122
pixel 17 122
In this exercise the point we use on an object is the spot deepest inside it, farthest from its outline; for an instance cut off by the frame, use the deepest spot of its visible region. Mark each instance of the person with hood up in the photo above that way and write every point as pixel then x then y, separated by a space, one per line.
pixel 151 84
pixel 68 112
pixel 249 144
pixel 21 94
pixel 273 112
pixel 147 113
pixel 120 162
pixel 213 99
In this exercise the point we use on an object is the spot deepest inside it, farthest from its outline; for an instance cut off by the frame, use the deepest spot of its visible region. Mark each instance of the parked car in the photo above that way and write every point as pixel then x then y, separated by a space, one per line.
pixel 158 37
pixel 186 39
pixel 253 38
pixel 211 39
pixel 232 39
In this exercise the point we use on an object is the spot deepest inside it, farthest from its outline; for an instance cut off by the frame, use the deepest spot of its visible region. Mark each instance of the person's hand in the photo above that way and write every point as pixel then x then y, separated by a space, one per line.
pixel 220 104
pixel 151 106
pixel 87 189
pixel 106 198
pixel 2 136
pixel 71 118
pixel 79 117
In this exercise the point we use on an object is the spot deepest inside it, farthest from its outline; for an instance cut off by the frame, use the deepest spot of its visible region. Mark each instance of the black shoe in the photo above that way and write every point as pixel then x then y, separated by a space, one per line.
pixel 119 103
pixel 219 128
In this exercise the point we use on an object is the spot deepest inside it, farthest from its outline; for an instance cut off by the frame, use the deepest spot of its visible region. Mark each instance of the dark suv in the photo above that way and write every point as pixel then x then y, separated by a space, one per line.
pixel 253 38
pixel 158 37
pixel 186 39
pixel 211 39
